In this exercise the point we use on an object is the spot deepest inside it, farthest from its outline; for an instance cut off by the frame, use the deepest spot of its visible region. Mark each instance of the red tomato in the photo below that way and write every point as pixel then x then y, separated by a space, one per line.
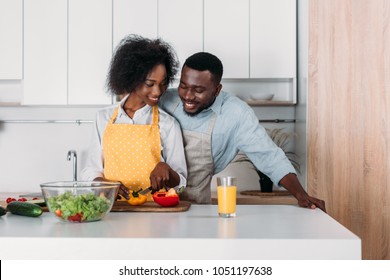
pixel 10 199
pixel 22 199
pixel 58 212
pixel 35 198
pixel 76 217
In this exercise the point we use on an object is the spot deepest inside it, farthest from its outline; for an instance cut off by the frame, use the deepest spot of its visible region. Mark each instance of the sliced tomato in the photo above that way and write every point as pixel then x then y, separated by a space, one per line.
pixel 22 199
pixel 76 217
pixel 10 199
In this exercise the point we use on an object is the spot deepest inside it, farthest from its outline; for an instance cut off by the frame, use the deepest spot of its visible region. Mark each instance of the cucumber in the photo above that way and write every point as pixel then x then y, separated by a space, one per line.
pixel 24 209
pixel 2 211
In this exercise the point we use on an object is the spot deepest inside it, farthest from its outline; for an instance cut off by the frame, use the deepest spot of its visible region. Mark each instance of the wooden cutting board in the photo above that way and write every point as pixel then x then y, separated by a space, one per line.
pixel 149 206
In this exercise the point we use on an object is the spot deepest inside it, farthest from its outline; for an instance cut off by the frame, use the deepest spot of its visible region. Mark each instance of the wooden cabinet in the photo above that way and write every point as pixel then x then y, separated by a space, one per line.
pixel 11 34
pixel 89 51
pixel 45 52
pixel 226 34
pixel 272 39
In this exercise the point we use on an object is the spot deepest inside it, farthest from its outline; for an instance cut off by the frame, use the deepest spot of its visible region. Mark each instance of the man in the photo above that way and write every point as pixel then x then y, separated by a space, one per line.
pixel 216 125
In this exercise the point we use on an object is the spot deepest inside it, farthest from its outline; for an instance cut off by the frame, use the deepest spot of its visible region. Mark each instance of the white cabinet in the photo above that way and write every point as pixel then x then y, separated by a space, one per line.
pixel 11 35
pixel 180 23
pixel 226 34
pixel 272 39
pixel 45 52
pixel 89 50
pixel 68 44
pixel 134 17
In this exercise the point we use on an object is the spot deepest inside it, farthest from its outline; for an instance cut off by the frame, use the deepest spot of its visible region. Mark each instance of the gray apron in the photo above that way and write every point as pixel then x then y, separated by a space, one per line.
pixel 200 163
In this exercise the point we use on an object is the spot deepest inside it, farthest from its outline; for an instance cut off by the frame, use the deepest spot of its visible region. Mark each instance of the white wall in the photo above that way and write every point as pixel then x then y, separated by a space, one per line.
pixel 33 153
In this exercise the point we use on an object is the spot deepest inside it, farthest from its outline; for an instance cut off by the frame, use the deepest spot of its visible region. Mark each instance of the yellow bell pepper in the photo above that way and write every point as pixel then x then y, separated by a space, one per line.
pixel 136 198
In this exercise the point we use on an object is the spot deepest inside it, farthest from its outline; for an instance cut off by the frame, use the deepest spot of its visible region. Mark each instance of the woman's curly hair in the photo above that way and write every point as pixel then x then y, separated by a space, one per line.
pixel 134 58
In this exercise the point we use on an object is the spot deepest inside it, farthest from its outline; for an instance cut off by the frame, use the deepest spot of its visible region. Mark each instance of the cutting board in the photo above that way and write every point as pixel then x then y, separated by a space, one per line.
pixel 149 206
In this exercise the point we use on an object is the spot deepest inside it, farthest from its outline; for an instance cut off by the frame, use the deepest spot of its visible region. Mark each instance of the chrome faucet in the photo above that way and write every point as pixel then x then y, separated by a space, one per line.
pixel 73 154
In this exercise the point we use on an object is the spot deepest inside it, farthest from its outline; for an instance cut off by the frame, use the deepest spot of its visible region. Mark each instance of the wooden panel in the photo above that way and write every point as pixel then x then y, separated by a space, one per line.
pixel 45 52
pixel 226 35
pixel 272 39
pixel 134 17
pixel 349 116
pixel 90 50
pixel 11 34
pixel 186 37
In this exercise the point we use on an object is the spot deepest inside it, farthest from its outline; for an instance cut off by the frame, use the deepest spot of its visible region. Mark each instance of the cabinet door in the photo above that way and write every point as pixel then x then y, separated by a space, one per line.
pixel 134 17
pixel 45 52
pixel 90 50
pixel 226 35
pixel 180 23
pixel 272 39
pixel 11 26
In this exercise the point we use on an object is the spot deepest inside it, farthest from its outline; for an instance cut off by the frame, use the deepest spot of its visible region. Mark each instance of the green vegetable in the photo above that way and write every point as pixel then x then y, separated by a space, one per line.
pixel 2 211
pixel 24 209
pixel 79 208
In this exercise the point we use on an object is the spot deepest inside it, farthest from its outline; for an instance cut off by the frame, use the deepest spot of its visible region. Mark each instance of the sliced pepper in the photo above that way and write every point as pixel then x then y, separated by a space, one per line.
pixel 136 198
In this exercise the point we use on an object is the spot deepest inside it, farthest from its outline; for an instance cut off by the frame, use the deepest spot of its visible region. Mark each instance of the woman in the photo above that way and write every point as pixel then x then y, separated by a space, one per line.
pixel 137 143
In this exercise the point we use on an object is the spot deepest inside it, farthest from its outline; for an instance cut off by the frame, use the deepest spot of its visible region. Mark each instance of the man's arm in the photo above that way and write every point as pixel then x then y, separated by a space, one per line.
pixel 291 183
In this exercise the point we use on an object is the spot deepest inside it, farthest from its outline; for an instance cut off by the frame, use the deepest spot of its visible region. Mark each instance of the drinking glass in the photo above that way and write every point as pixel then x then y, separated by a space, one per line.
pixel 226 191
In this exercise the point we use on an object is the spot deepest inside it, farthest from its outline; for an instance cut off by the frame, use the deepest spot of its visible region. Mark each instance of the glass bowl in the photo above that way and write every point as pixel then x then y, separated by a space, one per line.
pixel 79 202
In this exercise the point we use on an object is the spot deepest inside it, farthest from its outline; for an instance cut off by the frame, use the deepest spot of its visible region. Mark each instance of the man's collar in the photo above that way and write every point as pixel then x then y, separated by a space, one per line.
pixel 217 105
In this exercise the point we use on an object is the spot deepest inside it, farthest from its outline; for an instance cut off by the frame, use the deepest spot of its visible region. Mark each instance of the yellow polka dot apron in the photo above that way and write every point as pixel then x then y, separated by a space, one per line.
pixel 131 151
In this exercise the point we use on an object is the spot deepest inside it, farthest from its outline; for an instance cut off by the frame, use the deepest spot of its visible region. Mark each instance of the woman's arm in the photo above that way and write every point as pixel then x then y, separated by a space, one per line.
pixel 173 168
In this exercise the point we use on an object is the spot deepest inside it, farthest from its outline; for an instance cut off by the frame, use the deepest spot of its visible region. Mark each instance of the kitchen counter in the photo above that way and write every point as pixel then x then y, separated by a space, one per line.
pixel 258 232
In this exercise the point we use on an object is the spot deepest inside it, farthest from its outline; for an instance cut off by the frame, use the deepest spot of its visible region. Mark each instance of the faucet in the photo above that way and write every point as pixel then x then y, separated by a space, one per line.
pixel 73 154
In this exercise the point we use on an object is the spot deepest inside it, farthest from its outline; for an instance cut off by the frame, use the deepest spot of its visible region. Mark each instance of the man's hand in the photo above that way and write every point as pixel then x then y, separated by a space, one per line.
pixel 291 183
pixel 310 202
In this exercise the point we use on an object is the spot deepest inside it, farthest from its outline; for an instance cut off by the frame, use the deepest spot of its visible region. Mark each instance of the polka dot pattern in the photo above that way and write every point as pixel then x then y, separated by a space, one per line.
pixel 131 151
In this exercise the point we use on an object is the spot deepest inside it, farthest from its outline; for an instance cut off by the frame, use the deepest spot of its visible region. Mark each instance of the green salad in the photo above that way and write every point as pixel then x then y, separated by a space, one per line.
pixel 79 208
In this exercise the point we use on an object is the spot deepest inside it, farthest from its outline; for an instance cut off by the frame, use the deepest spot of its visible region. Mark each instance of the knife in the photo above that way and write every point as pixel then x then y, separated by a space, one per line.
pixel 145 191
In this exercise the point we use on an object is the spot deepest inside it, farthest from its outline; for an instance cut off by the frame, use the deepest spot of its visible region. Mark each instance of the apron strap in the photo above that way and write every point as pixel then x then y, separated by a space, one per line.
pixel 155 115
pixel 114 115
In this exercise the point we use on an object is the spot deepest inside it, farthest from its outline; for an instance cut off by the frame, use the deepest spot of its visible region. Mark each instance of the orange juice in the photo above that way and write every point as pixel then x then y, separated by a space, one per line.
pixel 227 200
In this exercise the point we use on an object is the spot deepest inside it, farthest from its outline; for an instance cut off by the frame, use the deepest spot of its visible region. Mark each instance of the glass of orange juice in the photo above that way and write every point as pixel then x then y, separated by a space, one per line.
pixel 226 191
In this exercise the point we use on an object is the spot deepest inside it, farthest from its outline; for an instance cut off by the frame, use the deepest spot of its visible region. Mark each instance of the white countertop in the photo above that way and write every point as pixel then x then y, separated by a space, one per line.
pixel 258 232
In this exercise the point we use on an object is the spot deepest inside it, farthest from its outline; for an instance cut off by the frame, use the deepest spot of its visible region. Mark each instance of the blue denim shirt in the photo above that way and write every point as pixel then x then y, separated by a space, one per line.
pixel 236 129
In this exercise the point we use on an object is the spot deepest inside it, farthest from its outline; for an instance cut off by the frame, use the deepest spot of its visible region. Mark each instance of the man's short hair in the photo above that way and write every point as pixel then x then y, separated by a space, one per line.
pixel 204 61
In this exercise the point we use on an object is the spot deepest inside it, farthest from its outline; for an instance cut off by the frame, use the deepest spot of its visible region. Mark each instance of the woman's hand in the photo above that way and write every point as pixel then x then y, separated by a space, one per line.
pixel 163 176
pixel 122 190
